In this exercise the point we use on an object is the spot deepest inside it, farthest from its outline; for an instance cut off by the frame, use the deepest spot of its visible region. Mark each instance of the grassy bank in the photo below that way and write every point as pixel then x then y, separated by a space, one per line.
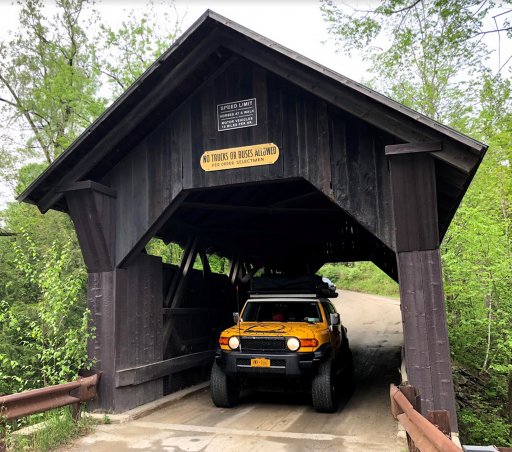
pixel 46 432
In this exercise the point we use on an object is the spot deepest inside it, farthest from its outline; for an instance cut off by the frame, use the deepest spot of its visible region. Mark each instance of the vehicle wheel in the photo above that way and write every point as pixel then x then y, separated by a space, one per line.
pixel 323 389
pixel 224 390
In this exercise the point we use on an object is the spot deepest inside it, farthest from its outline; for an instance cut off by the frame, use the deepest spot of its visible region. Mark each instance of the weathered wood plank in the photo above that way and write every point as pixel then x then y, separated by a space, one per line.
pixel 384 208
pixel 426 343
pixel 438 343
pixel 414 202
pixel 139 326
pixel 87 185
pixel 135 116
pixel 142 374
pixel 188 311
pixel 412 148
pixel 93 216
pixel 339 166
pixel 101 347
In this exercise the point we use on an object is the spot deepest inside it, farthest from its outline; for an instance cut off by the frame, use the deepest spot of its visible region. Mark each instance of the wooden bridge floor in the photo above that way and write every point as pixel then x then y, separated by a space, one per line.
pixel 285 422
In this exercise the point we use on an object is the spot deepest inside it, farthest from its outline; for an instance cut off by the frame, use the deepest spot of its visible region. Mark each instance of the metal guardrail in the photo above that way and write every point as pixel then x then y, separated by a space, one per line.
pixel 35 401
pixel 422 434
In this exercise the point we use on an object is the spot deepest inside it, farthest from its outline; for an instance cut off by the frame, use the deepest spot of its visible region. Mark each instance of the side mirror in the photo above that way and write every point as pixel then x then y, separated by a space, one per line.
pixel 236 317
pixel 335 319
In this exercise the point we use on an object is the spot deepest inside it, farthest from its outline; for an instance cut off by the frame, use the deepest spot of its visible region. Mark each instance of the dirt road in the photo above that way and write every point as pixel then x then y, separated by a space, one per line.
pixel 277 422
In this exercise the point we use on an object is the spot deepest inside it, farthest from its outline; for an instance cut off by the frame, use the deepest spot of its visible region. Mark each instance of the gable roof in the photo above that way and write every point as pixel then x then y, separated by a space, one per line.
pixel 203 48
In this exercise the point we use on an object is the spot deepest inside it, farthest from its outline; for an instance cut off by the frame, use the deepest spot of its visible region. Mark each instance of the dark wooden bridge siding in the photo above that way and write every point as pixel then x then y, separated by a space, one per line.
pixel 341 155
pixel 127 314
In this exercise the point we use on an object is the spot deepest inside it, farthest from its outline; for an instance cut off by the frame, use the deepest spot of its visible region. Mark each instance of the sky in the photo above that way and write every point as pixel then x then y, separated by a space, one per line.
pixel 296 24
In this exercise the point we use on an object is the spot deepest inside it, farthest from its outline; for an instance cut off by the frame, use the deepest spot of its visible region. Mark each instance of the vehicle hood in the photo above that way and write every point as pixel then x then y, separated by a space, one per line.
pixel 298 329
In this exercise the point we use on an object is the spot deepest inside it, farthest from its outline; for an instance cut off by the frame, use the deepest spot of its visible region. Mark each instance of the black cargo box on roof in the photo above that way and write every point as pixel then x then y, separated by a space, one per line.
pixel 291 285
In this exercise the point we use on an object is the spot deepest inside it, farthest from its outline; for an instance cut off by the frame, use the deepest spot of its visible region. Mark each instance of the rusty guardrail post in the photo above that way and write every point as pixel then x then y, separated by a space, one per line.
pixel 424 436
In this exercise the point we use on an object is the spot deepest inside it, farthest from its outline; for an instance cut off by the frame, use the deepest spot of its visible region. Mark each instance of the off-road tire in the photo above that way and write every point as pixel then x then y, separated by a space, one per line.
pixel 324 388
pixel 224 390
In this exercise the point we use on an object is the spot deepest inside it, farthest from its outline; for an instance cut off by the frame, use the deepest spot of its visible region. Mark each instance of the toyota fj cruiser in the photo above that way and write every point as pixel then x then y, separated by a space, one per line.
pixel 295 336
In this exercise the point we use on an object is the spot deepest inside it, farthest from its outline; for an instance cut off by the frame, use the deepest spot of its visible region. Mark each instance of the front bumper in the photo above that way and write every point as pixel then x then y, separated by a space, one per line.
pixel 290 364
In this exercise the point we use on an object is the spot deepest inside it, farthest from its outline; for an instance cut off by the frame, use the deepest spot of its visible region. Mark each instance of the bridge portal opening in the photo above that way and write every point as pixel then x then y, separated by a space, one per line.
pixel 223 236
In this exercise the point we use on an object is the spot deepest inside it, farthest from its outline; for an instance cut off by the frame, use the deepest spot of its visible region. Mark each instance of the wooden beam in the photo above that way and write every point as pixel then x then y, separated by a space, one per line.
pixel 413 188
pixel 426 345
pixel 411 148
pixel 188 311
pixel 255 209
pixel 174 295
pixel 427 351
pixel 124 261
pixel 88 185
pixel 297 199
pixel 92 212
pixel 141 374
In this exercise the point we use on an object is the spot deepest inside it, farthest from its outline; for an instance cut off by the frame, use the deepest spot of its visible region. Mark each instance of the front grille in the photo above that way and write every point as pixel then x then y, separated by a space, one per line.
pixel 278 362
pixel 263 343
pixel 243 362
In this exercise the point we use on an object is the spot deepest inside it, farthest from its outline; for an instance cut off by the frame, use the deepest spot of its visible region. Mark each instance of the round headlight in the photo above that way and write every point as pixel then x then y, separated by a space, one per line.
pixel 233 342
pixel 293 344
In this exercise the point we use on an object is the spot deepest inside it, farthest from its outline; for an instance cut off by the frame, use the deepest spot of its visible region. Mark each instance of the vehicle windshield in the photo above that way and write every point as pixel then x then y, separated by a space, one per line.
pixel 281 311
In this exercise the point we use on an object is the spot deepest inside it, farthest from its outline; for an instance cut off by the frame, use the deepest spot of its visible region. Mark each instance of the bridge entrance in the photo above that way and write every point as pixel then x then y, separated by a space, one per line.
pixel 231 144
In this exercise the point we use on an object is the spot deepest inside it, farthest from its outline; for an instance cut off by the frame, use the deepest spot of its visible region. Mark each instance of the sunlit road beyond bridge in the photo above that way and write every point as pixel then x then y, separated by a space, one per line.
pixel 284 422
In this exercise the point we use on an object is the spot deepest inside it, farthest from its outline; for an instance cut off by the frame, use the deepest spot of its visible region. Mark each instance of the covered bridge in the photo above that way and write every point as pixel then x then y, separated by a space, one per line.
pixel 234 145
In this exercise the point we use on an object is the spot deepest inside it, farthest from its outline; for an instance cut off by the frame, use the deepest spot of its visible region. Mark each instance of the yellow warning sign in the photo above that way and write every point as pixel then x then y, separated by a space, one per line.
pixel 244 156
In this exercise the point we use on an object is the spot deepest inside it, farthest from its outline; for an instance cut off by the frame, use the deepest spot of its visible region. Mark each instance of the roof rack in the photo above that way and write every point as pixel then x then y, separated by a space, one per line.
pixel 286 286
pixel 284 295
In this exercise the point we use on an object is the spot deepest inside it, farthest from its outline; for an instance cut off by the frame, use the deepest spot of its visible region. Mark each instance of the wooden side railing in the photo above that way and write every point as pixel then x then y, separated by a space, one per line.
pixel 424 435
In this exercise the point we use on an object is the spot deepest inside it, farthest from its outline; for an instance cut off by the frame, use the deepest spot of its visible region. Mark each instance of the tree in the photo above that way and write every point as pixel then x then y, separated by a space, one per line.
pixel 53 71
pixel 136 44
pixel 49 80
pixel 43 340
pixel 426 54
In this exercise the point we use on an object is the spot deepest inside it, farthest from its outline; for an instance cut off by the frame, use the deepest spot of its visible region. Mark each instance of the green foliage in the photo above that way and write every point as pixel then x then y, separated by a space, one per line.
pixel 218 264
pixel 43 341
pixel 50 79
pixel 170 254
pixel 360 277
pixel 137 43
pixel 483 427
pixel 417 50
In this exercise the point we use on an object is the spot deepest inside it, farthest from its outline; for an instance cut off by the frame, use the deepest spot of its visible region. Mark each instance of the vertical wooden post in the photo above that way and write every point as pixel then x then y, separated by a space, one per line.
pixel 125 304
pixel 427 351
pixel 101 348
pixel 411 393
pixel 75 411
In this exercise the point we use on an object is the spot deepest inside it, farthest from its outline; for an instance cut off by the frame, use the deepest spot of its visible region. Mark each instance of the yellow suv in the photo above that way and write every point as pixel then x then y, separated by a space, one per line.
pixel 292 337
